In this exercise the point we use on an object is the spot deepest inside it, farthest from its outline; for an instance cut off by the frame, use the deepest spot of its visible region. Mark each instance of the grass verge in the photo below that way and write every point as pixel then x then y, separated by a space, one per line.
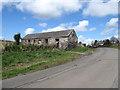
pixel 115 47
pixel 82 49
pixel 15 63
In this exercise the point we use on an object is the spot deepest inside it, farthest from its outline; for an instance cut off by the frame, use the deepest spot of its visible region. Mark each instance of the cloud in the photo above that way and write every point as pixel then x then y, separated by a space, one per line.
pixel 80 27
pixel 43 24
pixel 116 36
pixel 100 9
pixel 43 9
pixel 6 3
pixel 1 37
pixel 58 28
pixel 92 29
pixel 107 38
pixel 85 40
pixel 29 31
pixel 110 26
pixel 0 6
pixel 112 22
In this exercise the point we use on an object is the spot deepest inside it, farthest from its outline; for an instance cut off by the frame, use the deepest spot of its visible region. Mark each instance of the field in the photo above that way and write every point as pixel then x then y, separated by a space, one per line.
pixel 22 62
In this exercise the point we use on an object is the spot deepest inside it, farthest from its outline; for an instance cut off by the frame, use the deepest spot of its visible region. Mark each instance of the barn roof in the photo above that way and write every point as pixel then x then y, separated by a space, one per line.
pixel 56 34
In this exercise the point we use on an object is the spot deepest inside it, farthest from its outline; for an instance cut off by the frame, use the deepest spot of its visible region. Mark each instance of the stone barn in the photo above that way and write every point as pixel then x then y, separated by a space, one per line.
pixel 64 39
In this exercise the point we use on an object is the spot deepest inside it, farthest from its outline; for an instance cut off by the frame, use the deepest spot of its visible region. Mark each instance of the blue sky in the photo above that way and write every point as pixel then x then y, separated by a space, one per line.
pixel 93 20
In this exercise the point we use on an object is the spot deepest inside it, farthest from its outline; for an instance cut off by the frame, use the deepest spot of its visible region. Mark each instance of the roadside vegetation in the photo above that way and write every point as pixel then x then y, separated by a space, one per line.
pixel 22 59
pixel 82 49
pixel 115 47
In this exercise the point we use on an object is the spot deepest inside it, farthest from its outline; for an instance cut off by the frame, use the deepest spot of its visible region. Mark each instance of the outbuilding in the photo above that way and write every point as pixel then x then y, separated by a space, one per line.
pixel 64 39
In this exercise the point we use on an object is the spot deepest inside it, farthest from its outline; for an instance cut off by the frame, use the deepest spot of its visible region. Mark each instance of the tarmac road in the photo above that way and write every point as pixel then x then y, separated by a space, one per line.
pixel 99 70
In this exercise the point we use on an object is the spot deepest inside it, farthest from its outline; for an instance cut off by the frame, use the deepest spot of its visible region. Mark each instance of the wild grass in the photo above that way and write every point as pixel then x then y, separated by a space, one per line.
pixel 22 59
pixel 22 47
pixel 15 63
pixel 82 49
pixel 117 47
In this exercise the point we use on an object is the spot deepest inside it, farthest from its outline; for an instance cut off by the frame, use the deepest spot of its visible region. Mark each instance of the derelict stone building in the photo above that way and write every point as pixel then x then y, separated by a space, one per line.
pixel 62 39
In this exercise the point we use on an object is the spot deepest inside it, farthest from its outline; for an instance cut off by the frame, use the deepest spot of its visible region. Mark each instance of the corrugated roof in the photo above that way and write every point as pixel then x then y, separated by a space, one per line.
pixel 55 34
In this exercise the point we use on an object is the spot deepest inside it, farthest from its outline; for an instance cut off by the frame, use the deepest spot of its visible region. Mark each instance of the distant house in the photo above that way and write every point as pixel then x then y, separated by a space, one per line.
pixel 62 39
pixel 80 44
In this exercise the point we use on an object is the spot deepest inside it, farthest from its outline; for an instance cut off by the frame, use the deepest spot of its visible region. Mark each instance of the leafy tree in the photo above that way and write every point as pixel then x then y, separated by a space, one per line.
pixel 107 42
pixel 118 42
pixel 95 43
pixel 17 38
pixel 114 40
pixel 80 42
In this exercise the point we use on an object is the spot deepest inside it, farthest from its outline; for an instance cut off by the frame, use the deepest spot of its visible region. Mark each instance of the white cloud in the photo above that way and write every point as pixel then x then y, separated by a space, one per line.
pixel 0 6
pixel 43 24
pixel 85 40
pixel 1 37
pixel 100 9
pixel 82 26
pixel 29 31
pixel 110 26
pixel 107 38
pixel 45 9
pixel 92 29
pixel 106 31
pixel 112 22
pixel 116 36
pixel 58 28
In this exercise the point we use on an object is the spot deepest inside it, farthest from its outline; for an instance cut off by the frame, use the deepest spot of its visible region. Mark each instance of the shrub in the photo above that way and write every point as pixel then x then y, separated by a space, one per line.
pixel 23 47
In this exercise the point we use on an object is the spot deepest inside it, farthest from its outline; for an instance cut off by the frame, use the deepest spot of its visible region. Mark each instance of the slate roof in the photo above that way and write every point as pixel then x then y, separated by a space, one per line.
pixel 56 34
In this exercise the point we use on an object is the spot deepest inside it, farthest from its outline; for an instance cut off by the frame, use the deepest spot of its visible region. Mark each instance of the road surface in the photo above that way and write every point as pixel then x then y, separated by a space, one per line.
pixel 99 70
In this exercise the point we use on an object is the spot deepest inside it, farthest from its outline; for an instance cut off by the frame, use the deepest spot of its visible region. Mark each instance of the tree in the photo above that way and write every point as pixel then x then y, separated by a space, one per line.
pixel 118 42
pixel 107 42
pixel 80 42
pixel 17 38
pixel 96 43
pixel 113 40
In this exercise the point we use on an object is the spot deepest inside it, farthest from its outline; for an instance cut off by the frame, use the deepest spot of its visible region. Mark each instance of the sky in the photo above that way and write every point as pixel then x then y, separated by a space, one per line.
pixel 91 19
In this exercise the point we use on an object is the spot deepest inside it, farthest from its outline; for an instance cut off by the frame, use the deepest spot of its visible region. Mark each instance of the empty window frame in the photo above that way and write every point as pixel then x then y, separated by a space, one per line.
pixel 34 41
pixel 29 41
pixel 57 40
pixel 46 40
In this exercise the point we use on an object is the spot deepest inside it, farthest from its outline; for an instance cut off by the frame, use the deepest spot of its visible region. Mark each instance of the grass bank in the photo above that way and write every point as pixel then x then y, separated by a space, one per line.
pixel 115 47
pixel 82 49
pixel 15 63
pixel 22 59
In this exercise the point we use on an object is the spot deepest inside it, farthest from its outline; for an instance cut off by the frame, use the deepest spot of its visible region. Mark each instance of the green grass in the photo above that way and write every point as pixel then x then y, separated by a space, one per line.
pixel 115 47
pixel 15 63
pixel 82 49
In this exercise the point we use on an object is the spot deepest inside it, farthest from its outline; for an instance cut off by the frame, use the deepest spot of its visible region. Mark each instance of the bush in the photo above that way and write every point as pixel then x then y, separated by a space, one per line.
pixel 22 47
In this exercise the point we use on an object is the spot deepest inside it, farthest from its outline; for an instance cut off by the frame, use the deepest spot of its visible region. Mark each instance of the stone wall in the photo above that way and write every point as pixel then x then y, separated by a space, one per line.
pixel 72 40
pixel 63 43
